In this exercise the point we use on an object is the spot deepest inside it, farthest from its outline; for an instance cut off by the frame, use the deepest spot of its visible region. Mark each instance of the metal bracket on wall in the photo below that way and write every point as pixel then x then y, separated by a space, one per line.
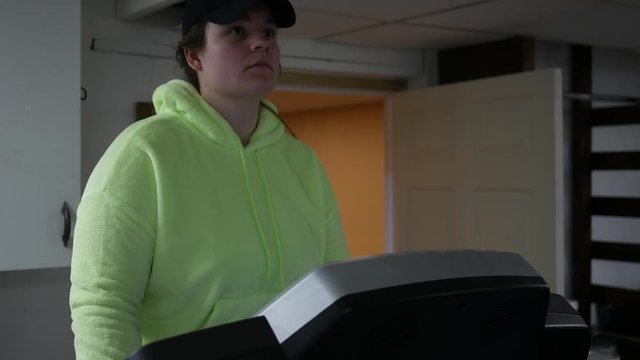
pixel 601 97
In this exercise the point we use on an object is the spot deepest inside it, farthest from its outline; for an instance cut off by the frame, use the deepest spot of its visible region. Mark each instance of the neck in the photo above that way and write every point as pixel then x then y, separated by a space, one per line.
pixel 240 113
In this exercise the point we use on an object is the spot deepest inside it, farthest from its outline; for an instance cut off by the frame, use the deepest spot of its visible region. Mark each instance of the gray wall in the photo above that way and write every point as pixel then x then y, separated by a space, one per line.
pixel 35 318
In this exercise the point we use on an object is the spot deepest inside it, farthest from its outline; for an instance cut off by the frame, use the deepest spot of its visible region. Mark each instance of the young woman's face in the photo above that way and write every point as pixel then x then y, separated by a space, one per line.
pixel 241 59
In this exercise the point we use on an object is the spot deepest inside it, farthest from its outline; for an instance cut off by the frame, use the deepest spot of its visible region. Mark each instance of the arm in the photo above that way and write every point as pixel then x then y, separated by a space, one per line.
pixel 112 255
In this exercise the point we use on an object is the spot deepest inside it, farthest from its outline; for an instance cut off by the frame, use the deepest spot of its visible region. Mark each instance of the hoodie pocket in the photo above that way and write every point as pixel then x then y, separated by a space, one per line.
pixel 233 309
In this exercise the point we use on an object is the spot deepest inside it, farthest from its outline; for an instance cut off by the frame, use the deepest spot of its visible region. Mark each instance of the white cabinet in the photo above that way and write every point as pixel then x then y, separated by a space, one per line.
pixel 39 129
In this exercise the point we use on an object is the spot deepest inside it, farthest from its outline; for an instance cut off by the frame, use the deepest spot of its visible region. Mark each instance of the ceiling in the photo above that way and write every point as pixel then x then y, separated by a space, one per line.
pixel 440 24
pixel 437 24
pixel 433 25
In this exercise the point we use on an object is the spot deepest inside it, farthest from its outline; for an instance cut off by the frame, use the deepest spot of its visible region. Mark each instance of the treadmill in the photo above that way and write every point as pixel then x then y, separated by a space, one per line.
pixel 436 305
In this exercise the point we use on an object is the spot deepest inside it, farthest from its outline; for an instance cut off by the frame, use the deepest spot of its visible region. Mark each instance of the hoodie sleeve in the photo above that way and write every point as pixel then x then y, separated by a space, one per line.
pixel 336 247
pixel 112 252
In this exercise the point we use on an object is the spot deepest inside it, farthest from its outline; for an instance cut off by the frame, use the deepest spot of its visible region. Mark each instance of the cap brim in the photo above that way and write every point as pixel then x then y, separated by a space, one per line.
pixel 283 13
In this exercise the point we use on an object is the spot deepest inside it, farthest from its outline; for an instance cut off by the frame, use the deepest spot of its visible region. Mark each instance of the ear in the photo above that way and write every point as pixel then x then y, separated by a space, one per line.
pixel 193 59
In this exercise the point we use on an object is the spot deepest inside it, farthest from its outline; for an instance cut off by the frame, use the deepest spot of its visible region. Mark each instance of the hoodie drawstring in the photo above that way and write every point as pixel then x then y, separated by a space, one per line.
pixel 274 223
pixel 263 239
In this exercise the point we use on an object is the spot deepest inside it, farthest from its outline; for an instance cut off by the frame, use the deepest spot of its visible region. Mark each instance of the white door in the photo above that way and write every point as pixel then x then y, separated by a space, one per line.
pixel 477 165
pixel 39 129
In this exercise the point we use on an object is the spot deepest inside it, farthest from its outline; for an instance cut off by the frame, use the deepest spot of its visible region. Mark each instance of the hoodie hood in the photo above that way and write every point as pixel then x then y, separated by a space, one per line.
pixel 180 98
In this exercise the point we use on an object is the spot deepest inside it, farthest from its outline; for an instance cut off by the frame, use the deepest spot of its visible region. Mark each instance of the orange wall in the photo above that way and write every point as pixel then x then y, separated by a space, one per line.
pixel 350 143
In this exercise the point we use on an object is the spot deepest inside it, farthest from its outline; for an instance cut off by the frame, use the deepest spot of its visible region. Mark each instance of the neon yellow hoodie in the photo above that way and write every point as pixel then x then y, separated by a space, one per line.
pixel 180 227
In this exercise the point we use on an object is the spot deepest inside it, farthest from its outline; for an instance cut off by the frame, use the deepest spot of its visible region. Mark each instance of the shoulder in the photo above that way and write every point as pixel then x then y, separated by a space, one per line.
pixel 133 152
pixel 298 151
pixel 157 128
pixel 300 159
pixel 153 135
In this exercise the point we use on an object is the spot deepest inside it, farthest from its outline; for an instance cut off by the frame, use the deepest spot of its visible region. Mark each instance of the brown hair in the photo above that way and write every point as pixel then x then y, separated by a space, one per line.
pixel 194 40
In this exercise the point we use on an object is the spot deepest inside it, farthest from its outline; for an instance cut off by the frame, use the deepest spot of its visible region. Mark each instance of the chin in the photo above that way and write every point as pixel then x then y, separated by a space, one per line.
pixel 262 89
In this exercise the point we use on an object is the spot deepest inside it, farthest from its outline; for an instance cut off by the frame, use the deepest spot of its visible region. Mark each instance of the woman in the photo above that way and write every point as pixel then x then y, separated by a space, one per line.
pixel 203 213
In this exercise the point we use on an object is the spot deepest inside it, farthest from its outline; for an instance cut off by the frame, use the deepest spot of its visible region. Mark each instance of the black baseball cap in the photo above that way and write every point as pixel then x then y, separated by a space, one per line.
pixel 227 11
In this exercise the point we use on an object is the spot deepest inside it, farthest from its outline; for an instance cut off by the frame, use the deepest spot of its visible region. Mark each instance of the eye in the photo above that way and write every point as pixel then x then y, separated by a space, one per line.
pixel 271 32
pixel 237 31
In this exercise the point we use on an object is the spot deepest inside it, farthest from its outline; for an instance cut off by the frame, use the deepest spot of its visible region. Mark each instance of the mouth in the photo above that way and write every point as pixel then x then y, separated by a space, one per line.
pixel 260 64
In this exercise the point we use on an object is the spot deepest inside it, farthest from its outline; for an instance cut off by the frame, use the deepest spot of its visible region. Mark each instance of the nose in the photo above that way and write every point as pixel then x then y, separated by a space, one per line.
pixel 261 42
